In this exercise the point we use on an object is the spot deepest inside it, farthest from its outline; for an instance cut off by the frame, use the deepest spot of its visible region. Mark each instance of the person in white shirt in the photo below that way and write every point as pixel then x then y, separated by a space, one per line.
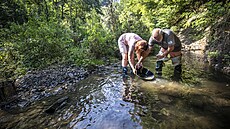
pixel 129 43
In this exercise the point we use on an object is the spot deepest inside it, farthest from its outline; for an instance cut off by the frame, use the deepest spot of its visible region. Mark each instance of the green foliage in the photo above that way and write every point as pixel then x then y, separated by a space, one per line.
pixel 35 44
pixel 207 14
pixel 97 40
pixel 82 57
pixel 57 31
pixel 41 43
pixel 9 61
pixel 213 54
pixel 11 11
pixel 41 33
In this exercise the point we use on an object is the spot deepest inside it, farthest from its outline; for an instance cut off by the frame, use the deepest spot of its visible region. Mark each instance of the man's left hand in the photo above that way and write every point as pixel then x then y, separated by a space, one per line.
pixel 159 56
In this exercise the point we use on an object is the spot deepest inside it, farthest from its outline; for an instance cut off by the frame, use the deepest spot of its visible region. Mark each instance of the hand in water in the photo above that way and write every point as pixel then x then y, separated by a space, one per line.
pixel 134 71
pixel 138 66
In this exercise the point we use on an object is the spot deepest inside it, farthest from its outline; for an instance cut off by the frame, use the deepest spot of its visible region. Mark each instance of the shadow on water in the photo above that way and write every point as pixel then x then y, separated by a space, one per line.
pixel 103 101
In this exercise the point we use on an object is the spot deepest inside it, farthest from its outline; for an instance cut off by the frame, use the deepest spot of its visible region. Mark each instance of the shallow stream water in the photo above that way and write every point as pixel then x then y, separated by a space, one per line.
pixel 102 101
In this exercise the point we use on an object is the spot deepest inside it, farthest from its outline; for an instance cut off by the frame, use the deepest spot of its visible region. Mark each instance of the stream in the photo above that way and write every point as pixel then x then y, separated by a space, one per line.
pixel 102 101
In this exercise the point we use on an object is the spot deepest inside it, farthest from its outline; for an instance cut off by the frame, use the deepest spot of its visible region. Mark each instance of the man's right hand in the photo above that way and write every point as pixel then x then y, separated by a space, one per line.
pixel 160 56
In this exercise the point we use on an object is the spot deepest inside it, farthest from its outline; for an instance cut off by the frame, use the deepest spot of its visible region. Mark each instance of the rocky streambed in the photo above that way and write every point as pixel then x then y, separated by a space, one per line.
pixel 74 97
pixel 36 85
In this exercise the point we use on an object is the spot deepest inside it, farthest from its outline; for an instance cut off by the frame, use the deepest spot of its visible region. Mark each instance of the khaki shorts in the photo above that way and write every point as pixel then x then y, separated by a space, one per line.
pixel 122 47
pixel 176 60
pixel 174 56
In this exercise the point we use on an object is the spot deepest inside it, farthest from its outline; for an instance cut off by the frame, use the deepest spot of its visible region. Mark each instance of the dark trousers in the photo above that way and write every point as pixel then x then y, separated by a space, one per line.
pixel 177 70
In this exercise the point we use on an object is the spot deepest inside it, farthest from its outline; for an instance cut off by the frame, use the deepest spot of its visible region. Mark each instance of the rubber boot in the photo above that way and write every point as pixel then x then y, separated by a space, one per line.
pixel 159 65
pixel 124 70
pixel 124 74
pixel 177 73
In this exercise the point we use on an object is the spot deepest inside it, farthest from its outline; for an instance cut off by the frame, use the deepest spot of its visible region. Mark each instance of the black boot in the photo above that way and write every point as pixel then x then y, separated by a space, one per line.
pixel 177 73
pixel 159 65
pixel 124 74
pixel 124 70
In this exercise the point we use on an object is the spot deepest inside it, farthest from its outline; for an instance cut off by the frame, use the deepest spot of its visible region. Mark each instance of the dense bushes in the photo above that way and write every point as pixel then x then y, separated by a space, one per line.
pixel 38 44
pixel 50 32
pixel 34 44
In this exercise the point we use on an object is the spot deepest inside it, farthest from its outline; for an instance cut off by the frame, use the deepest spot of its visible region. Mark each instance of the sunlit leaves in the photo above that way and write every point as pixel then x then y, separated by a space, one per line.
pixel 97 39
pixel 74 30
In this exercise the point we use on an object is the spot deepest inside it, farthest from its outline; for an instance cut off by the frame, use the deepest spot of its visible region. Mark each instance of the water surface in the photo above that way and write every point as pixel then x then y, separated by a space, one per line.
pixel 103 101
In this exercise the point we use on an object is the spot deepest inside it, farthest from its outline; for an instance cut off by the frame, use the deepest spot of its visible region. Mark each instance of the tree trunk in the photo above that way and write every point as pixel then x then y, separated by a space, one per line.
pixel 46 11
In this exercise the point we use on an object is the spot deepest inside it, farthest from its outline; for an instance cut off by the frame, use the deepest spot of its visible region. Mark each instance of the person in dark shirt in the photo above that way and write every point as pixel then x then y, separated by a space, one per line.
pixel 170 45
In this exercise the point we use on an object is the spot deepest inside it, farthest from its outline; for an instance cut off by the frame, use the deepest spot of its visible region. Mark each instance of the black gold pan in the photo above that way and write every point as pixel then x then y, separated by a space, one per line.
pixel 145 74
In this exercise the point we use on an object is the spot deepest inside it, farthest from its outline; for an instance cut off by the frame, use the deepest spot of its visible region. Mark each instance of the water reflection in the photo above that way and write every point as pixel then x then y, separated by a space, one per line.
pixel 111 112
pixel 103 101
pixel 197 102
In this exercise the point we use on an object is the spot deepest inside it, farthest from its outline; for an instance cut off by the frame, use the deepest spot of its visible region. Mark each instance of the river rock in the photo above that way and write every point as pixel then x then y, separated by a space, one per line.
pixel 38 84
pixel 57 105
pixel 7 90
